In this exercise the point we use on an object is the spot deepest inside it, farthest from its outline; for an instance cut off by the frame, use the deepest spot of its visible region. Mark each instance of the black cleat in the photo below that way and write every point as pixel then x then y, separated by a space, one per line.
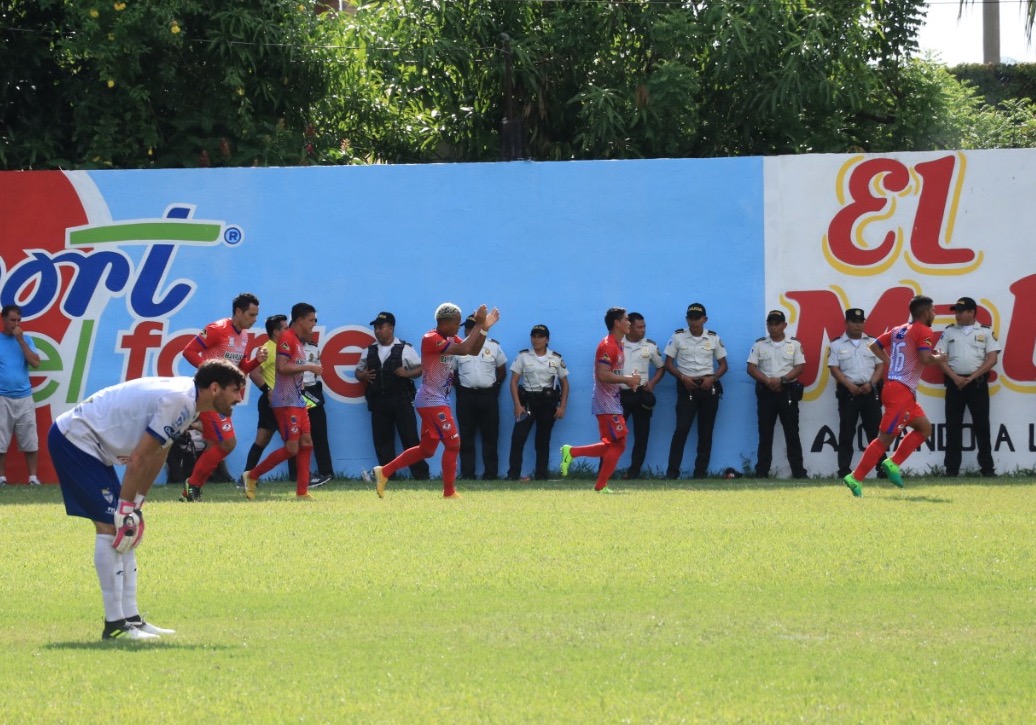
pixel 190 493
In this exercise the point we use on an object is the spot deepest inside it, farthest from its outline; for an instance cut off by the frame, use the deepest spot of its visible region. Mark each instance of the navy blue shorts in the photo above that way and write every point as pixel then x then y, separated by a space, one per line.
pixel 90 488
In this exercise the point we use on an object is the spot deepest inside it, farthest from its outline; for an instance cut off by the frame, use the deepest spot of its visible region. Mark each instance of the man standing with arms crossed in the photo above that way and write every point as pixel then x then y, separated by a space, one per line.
pixel 479 378
pixel 971 352
pixel 608 364
pixel 433 399
pixel 906 350
pixel 226 339
pixel 289 405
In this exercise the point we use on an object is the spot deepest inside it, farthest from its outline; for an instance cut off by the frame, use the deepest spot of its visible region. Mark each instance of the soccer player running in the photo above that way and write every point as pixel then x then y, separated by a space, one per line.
pixel 223 339
pixel 905 350
pixel 289 405
pixel 132 423
pixel 433 397
pixel 606 405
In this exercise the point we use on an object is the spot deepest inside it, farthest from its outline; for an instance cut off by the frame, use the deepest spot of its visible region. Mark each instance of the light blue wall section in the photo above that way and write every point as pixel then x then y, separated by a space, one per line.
pixel 553 243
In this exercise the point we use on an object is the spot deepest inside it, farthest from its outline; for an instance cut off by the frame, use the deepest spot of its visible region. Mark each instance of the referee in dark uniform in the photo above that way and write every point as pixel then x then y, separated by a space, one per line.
pixel 479 378
pixel 858 373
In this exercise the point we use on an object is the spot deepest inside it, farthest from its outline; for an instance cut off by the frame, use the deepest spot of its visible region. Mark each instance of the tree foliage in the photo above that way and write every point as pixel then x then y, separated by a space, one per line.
pixel 164 83
pixel 167 83
pixel 628 79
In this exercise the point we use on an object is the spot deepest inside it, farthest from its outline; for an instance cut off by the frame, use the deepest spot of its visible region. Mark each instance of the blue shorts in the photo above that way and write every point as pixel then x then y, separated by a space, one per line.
pixel 90 488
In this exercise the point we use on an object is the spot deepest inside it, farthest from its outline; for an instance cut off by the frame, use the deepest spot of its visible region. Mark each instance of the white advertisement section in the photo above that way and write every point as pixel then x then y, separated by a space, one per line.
pixel 871 232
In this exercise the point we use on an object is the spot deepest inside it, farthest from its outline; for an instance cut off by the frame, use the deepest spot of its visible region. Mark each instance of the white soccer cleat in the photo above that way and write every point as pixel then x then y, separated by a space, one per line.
pixel 149 628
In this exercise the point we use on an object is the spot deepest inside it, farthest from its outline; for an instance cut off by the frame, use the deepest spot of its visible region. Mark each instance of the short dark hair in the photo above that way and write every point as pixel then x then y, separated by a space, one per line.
pixel 273 323
pixel 636 317
pixel 245 300
pixel 8 309
pixel 220 371
pixel 918 305
pixel 300 310
pixel 613 315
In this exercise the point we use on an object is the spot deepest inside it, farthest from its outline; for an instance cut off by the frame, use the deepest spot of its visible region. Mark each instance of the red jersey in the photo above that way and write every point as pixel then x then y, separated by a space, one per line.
pixel 903 345
pixel 606 395
pixel 220 339
pixel 287 389
pixel 436 370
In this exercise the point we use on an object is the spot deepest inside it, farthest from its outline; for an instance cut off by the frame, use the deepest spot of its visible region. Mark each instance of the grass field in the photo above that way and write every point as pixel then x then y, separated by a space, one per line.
pixel 750 601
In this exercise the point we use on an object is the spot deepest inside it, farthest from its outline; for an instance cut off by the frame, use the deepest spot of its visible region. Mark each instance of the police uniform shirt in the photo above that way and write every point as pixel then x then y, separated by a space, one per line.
pixel 539 373
pixel 479 371
pixel 639 356
pixel 854 358
pixel 776 359
pixel 410 357
pixel 967 347
pixel 312 356
pixel 695 356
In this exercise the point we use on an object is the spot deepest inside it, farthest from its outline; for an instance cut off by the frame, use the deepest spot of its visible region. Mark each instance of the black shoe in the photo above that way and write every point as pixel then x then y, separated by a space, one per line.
pixel 952 474
pixel 320 479
pixel 800 474
pixel 989 474
pixel 701 474
pixel 190 493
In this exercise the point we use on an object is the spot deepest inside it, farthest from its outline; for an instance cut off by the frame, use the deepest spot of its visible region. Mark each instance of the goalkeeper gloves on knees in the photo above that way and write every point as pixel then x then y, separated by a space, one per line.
pixel 129 527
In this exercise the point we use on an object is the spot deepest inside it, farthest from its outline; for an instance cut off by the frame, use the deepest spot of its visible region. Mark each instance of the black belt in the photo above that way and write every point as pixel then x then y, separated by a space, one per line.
pixel 476 390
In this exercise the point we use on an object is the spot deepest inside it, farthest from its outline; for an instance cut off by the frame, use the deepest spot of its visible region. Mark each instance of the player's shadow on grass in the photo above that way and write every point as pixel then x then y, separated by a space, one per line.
pixel 134 646
pixel 917 499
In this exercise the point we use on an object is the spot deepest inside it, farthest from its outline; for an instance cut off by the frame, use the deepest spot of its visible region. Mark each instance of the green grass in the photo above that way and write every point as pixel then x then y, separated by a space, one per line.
pixel 751 601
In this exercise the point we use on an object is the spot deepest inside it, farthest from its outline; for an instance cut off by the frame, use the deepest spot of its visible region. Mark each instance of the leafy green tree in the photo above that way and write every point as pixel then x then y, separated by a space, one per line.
pixel 163 83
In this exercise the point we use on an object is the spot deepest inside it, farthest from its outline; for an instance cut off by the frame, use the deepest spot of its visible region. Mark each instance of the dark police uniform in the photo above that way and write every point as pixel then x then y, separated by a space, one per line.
pixel 695 357
pixel 390 399
pixel 855 361
pixel 478 408
pixel 966 348
pixel 775 360
pixel 539 393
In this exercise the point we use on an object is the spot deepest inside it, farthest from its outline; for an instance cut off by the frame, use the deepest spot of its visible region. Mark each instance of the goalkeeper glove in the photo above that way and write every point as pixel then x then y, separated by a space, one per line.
pixel 129 527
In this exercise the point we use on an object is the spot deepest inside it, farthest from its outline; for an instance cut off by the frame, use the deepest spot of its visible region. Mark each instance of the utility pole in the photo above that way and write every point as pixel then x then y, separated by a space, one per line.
pixel 991 32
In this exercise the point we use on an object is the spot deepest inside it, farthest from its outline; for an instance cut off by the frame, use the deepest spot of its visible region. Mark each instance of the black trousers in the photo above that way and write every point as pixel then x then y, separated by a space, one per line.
pixel 690 403
pixel 318 431
pixel 478 412
pixel 974 397
pixel 541 414
pixel 392 414
pixel 852 408
pixel 771 406
pixel 632 408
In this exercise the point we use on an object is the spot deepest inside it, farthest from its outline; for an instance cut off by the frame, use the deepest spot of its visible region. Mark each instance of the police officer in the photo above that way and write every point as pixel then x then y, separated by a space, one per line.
pixel 479 378
pixel 539 392
pixel 972 351
pixel 639 354
pixel 775 363
pixel 389 368
pixel 858 374
pixel 697 359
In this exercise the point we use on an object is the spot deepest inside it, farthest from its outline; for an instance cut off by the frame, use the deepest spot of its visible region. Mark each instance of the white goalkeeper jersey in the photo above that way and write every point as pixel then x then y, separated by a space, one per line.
pixel 109 424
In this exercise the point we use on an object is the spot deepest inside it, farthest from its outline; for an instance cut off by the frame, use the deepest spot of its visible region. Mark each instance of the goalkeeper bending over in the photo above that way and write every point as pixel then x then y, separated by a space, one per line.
pixel 131 424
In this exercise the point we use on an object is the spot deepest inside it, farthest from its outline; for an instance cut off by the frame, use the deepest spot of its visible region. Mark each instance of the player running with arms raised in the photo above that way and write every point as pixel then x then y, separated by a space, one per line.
pixel 433 398
pixel 131 424
pixel 905 350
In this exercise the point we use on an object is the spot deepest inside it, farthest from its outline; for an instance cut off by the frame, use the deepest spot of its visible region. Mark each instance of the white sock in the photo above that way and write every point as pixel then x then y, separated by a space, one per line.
pixel 109 573
pixel 129 584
